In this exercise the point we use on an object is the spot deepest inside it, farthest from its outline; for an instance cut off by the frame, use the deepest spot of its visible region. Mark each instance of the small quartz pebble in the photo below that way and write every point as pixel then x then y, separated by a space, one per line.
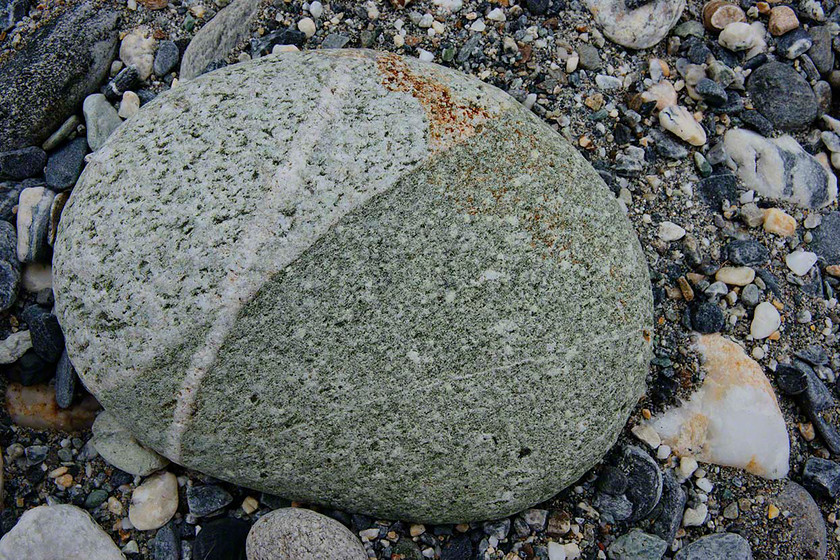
pixel 679 121
pixel 766 321
pixel 129 105
pixel 733 419
pixel 154 502
pixel 735 275
pixel 669 231
pixel 647 434
pixel 737 36
pixel 307 27
pixel 694 517
pixel 800 262
pixel 779 222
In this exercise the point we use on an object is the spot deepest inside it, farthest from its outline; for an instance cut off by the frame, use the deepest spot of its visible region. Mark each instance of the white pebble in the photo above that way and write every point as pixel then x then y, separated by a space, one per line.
pixel 669 231
pixel 766 320
pixel 316 9
pixel 307 27
pixel 425 55
pixel 496 14
pixel 800 262
pixel 694 517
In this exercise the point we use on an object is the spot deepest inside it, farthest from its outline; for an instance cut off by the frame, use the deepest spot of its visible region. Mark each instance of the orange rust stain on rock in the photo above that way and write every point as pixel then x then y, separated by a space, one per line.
pixel 450 119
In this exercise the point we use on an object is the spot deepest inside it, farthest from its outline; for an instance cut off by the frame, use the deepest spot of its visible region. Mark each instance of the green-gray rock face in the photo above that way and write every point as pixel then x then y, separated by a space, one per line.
pixel 359 280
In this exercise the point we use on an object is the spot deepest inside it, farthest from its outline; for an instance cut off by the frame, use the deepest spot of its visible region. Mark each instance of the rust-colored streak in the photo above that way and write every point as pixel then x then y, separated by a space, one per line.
pixel 450 119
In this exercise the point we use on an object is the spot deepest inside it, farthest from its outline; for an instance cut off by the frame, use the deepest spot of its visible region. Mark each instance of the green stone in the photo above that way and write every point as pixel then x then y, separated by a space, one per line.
pixel 353 279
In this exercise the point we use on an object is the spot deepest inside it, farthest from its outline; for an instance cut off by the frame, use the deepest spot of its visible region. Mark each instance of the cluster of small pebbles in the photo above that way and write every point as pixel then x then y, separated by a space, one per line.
pixel 720 142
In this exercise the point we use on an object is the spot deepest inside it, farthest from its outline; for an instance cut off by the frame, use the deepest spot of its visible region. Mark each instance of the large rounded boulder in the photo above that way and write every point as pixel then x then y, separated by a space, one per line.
pixel 355 279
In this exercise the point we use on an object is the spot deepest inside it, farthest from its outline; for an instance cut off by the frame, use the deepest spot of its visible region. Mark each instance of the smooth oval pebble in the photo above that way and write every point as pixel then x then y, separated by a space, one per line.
pixel 354 272
pixel 301 534
pixel 154 502
pixel 766 320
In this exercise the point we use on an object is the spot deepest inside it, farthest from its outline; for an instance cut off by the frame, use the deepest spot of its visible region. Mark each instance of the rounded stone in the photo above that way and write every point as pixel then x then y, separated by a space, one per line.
pixel 356 273
pixel 301 534
pixel 782 96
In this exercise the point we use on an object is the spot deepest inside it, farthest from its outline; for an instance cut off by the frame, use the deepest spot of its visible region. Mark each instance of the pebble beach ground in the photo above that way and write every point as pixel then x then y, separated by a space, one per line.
pixel 741 233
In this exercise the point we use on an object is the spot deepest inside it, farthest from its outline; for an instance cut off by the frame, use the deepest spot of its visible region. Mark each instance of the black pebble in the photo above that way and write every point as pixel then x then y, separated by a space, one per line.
pixel 707 318
pixel 221 539
pixel 47 338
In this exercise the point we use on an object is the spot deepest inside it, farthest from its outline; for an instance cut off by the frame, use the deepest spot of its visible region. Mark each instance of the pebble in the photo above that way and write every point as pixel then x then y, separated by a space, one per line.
pixel 794 44
pixel 119 448
pixel 101 119
pixel 62 133
pixel 679 121
pixel 206 499
pixel 669 231
pixel 167 543
pixel 47 338
pixel 223 539
pixel 719 546
pixel 800 262
pixel 821 478
pixel 316 9
pixel 779 222
pixel 826 238
pixel 735 275
pixel 637 545
pixel 748 431
pixel 779 169
pixel 647 435
pixel 750 295
pixel 804 529
pixel 33 223
pixel 766 320
pixel 65 381
pixel 667 516
pixel 712 93
pixel 783 96
pixel 35 407
pixel 821 52
pixel 644 480
pixel 166 58
pixel 747 252
pixel 590 57
pixel 717 14
pixel 707 317
pixel 138 49
pixel 65 165
pixel 37 277
pixel 129 105
pixel 695 517
pixel 10 275
pixel 782 20
pixel 607 83
pixel 22 163
pixel 14 346
pixel 636 26
pixel 154 502
pixel 307 27
pixel 737 36
pixel 44 530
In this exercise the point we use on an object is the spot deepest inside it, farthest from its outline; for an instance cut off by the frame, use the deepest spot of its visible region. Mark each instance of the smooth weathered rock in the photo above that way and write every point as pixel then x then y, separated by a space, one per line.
pixel 637 545
pixel 780 168
pixel 60 532
pixel 14 346
pixel 65 381
pixel 206 499
pixel 22 163
pixel 138 49
pixel 101 119
pixel 806 528
pixel 9 266
pixel 826 241
pixel 766 320
pixel 301 534
pixel 375 216
pixel 166 58
pixel 47 338
pixel 33 221
pixel 719 546
pixel 733 419
pixel 44 82
pixel 637 28
pixel 119 448
pixel 783 96
pixel 154 502
pixel 65 165
pixel 216 39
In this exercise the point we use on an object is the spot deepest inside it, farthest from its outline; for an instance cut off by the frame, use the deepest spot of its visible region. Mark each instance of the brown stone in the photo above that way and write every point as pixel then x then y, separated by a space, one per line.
pixel 782 20
pixel 35 407
pixel 717 14
pixel 153 4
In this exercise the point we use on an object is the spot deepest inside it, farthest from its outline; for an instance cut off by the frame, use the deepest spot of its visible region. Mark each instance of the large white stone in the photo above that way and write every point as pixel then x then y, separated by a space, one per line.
pixel 353 273
pixel 733 419
pixel 636 29
pixel 60 532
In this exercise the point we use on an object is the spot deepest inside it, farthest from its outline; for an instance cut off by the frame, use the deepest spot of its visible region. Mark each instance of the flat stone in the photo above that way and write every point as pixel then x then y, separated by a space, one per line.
pixel 747 252
pixel 668 513
pixel 780 169
pixel 637 545
pixel 65 165
pixel 800 262
pixel 47 338
pixel 119 448
pixel 805 531
pixel 794 44
pixel 22 163
pixel 101 119
pixel 783 96
pixel 747 431
pixel 302 534
pixel 218 37
pixel 644 480
pixel 45 80
pixel 638 28
pixel 735 275
pixel 14 346
pixel 821 53
pixel 779 222
pixel 719 546
pixel 65 382
pixel 821 478
pixel 59 532
pixel 154 502
pixel 206 499
pixel 195 274
pixel 166 58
